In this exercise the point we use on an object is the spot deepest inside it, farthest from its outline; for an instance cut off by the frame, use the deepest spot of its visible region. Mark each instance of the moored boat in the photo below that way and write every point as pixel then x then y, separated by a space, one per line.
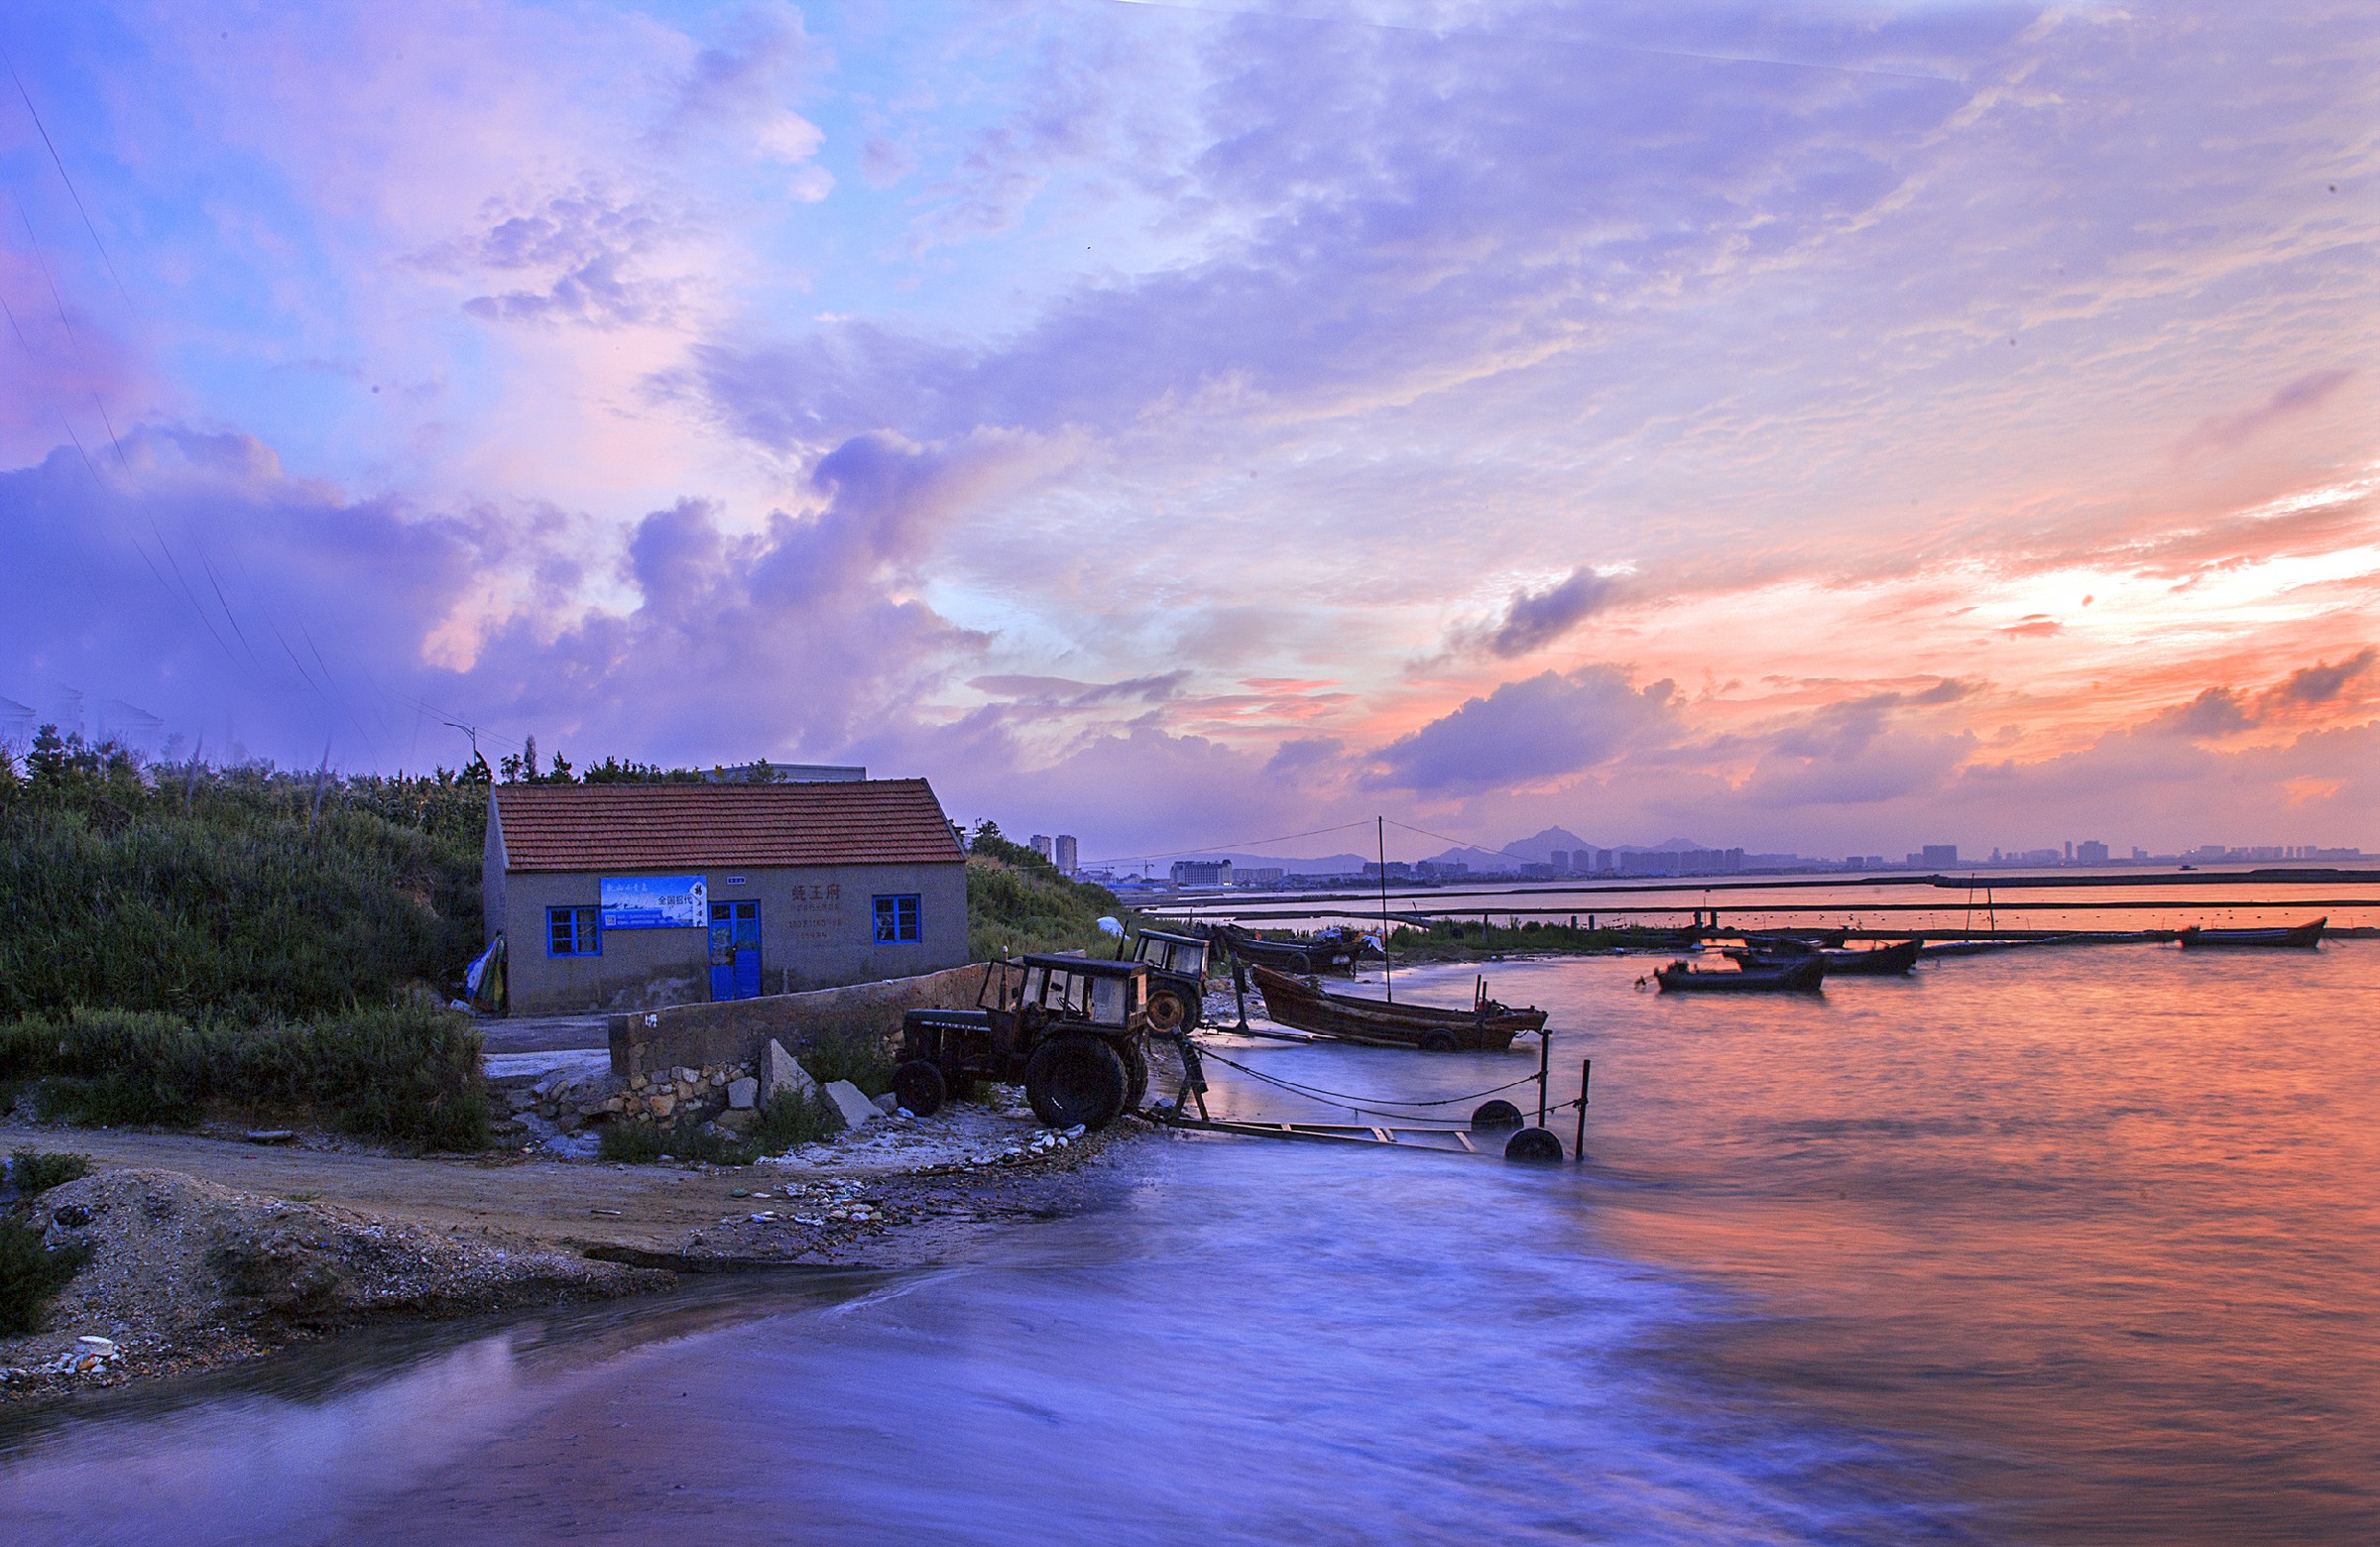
pixel 2301 937
pixel 1801 974
pixel 1889 960
pixel 1487 1025
pixel 1333 952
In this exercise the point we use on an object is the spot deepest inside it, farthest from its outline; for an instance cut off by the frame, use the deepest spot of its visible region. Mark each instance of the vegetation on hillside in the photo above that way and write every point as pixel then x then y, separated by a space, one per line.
pixel 1018 902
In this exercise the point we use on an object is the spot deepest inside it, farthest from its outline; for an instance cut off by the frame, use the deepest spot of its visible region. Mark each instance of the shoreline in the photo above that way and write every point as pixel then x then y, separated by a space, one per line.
pixel 332 1239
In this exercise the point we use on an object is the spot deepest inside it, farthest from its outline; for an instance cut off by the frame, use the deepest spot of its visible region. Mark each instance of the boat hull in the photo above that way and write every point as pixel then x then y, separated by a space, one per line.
pixel 1803 975
pixel 1346 1018
pixel 2298 938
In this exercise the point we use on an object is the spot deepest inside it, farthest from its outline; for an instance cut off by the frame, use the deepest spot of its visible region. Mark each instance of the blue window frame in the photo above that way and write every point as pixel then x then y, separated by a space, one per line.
pixel 896 920
pixel 574 931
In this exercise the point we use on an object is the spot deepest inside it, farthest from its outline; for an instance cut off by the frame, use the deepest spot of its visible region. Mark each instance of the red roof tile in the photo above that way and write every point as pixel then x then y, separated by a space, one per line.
pixel 662 827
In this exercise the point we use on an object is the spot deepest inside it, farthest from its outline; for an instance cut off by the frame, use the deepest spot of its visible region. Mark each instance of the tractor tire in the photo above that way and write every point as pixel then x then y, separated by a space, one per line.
pixel 1135 1074
pixel 1075 1077
pixel 1440 1041
pixel 1169 1011
pixel 1494 1117
pixel 919 1086
pixel 1534 1147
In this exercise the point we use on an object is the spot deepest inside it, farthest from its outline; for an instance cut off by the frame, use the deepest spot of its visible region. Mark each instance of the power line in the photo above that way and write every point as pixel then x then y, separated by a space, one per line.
pixel 1236 843
pixel 60 163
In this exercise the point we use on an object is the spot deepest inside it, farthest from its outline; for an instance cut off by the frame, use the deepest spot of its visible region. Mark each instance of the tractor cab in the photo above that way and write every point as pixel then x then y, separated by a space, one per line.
pixel 1070 1029
pixel 1177 973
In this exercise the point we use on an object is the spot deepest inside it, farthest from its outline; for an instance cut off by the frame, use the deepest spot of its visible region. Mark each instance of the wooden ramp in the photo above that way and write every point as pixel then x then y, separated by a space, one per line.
pixel 1436 1141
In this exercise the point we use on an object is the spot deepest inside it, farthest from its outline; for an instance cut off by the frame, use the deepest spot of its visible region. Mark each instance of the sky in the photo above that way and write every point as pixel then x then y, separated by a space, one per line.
pixel 1822 427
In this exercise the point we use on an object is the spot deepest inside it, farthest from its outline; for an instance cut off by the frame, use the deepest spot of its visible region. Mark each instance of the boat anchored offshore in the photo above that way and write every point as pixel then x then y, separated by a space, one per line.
pixel 1304 1004
pixel 1889 960
pixel 2300 937
pixel 1799 975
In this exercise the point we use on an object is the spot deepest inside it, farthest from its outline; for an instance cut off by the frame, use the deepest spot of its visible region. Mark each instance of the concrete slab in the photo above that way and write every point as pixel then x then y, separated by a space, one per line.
pixel 858 1110
pixel 507 1070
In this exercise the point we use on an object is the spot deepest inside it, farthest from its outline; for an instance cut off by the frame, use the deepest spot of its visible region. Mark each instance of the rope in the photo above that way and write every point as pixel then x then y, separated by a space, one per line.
pixel 1342 1097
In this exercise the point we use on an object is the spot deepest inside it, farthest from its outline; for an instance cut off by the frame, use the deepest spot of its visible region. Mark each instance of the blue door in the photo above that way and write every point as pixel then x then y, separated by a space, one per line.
pixel 735 950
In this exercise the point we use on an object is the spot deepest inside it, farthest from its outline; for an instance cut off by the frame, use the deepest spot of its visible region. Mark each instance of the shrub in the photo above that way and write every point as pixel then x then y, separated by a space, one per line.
pixel 33 1173
pixel 786 1121
pixel 407 1072
pixel 31 1277
pixel 789 1119
pixel 856 1052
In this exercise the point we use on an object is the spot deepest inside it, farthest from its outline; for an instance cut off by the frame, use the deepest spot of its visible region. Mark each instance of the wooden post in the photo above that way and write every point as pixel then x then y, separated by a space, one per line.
pixel 1545 1060
pixel 1577 1149
pixel 1387 965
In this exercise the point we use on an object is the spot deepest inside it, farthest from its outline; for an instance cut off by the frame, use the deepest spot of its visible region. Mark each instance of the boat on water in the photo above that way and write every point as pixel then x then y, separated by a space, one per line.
pixel 1329 953
pixel 1347 1018
pixel 1800 975
pixel 2298 937
pixel 1890 961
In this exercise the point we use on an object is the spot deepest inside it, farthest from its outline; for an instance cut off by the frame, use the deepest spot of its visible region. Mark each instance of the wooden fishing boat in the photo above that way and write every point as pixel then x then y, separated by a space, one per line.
pixel 1308 1007
pixel 2298 938
pixel 1801 974
pixel 1331 953
pixel 1796 943
pixel 1890 961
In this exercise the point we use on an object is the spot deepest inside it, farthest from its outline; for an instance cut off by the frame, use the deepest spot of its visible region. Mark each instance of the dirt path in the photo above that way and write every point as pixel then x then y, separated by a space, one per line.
pixel 699 1217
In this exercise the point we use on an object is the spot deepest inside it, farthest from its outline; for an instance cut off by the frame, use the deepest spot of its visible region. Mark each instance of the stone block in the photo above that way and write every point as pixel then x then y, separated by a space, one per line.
pixel 858 1110
pixel 781 1072
pixel 742 1094
pixel 888 1104
pixel 662 1106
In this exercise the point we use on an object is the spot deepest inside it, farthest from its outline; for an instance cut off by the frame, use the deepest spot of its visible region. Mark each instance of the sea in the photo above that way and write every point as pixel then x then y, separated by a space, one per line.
pixel 2065 1244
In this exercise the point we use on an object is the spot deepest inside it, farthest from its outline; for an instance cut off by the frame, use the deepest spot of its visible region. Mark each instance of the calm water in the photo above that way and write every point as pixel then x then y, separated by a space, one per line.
pixel 2068 1246
pixel 1996 898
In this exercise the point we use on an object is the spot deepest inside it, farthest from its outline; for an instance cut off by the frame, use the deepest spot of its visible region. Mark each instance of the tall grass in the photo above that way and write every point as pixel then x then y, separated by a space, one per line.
pixel 409 1073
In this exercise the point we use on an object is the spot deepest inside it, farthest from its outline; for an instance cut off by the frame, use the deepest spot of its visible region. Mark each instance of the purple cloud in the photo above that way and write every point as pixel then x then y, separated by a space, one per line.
pixel 1545 726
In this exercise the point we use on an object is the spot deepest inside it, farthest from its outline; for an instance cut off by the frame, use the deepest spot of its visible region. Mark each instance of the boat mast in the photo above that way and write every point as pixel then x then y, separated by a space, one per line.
pixel 1387 967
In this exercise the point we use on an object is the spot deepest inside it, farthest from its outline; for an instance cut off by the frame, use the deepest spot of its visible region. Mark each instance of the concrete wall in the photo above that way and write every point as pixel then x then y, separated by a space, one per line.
pixel 817 930
pixel 706 1036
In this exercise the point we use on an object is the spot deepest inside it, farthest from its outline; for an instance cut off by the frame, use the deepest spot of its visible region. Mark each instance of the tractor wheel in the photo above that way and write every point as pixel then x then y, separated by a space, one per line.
pixel 1168 1012
pixel 1076 1078
pixel 1439 1040
pixel 919 1086
pixel 1494 1115
pixel 1135 1074
pixel 1533 1146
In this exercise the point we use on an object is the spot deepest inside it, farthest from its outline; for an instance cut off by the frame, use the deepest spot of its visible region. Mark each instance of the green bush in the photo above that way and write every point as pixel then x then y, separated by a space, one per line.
pixel 789 1119
pixel 33 1173
pixel 31 1277
pixel 857 1053
pixel 409 1072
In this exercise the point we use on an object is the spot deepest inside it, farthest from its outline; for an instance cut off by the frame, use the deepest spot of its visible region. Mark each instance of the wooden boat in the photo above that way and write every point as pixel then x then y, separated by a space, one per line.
pixel 2298 937
pixel 1333 952
pixel 1890 961
pixel 1796 943
pixel 1487 1025
pixel 1801 974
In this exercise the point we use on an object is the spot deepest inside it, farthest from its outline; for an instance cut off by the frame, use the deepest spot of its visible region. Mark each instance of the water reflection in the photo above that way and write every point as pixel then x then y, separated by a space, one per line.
pixel 2016 1249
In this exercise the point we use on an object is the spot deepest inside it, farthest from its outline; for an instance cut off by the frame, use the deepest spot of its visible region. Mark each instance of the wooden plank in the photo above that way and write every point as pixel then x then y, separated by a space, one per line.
pixel 1383 1136
pixel 1464 1139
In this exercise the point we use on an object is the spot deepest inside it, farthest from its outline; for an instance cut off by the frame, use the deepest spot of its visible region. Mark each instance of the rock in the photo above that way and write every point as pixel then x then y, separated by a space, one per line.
pixel 888 1104
pixel 742 1094
pixel 858 1110
pixel 736 1122
pixel 663 1104
pixel 781 1072
pixel 271 1137
pixel 105 1348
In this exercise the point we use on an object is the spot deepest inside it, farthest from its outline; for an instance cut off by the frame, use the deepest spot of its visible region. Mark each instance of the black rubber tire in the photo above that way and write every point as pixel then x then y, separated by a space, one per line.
pixel 919 1086
pixel 1075 1077
pixel 1169 1011
pixel 1135 1074
pixel 1440 1041
pixel 1494 1117
pixel 1534 1147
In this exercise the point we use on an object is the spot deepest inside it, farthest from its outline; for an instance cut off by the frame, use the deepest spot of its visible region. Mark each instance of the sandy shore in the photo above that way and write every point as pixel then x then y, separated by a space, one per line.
pixel 438 1236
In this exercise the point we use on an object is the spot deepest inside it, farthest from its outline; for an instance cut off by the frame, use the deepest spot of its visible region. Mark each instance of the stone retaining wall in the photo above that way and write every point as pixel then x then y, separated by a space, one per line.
pixel 709 1038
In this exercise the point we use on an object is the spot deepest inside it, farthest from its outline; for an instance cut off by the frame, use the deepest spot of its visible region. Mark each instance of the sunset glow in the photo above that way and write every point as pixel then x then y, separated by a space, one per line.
pixel 1180 424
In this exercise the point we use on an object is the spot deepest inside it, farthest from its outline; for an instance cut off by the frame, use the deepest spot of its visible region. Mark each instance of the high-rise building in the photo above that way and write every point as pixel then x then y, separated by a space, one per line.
pixel 1041 844
pixel 1202 872
pixel 1938 853
pixel 2090 852
pixel 1065 855
pixel 1561 862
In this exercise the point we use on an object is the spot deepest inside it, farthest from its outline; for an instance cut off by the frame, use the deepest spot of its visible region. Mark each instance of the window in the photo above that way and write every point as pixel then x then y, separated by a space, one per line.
pixel 574 931
pixel 896 920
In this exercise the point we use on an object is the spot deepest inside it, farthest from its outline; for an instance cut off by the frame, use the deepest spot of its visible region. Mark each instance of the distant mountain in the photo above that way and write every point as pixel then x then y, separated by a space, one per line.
pixel 1541 847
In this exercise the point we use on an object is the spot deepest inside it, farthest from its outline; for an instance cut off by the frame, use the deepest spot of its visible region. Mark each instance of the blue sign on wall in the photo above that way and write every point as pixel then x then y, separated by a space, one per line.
pixel 656 903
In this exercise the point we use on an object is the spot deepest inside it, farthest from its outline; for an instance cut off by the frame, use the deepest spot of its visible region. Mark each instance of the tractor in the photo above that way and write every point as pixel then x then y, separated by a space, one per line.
pixel 1177 979
pixel 1071 1029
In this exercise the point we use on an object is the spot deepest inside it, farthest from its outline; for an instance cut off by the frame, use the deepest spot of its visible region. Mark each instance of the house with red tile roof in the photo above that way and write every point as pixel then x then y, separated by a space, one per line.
pixel 630 897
